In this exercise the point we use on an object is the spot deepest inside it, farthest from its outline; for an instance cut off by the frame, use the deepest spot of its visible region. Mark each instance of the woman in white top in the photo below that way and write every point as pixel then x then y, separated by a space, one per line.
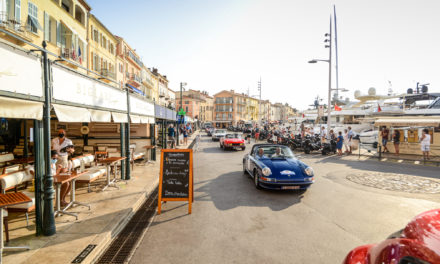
pixel 425 142
pixel 346 143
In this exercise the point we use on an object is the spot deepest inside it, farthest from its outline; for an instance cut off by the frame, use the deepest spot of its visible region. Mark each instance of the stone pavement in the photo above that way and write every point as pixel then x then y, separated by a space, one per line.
pixel 110 212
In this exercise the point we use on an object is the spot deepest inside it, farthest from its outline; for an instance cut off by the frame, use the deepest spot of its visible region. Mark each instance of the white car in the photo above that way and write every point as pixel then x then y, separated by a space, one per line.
pixel 218 133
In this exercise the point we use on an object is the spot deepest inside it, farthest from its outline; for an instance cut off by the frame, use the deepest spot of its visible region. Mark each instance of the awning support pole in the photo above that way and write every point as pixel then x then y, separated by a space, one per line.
pixel 153 141
pixel 25 133
pixel 48 213
pixel 127 141
pixel 122 129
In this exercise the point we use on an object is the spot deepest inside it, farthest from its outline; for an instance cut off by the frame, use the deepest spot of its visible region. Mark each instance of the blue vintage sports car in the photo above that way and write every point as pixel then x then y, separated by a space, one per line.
pixel 275 167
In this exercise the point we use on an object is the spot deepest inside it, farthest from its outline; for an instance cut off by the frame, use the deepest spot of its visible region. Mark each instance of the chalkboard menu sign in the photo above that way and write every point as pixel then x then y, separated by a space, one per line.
pixel 176 178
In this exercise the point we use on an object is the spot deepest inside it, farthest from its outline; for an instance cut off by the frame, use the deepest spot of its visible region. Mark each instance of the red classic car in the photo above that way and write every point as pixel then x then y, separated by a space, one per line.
pixel 417 243
pixel 232 141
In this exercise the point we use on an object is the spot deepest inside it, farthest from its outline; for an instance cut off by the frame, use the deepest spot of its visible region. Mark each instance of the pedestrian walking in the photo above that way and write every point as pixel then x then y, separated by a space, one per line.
pixel 339 143
pixel 346 146
pixel 396 141
pixel 385 134
pixel 425 142
pixel 171 133
pixel 185 135
pixel 350 135
pixel 323 134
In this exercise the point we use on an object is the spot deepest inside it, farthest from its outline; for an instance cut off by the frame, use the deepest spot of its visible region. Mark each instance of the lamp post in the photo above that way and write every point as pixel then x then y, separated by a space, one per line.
pixel 329 46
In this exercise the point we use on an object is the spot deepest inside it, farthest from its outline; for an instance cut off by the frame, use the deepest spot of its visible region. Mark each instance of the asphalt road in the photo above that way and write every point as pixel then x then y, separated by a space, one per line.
pixel 233 222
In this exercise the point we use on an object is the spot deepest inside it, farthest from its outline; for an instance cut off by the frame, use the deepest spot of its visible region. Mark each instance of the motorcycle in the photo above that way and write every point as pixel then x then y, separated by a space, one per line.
pixel 329 147
pixel 311 143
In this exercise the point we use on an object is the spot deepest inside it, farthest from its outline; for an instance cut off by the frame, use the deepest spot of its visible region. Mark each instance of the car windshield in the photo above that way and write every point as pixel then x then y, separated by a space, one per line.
pixel 275 152
pixel 220 131
pixel 233 136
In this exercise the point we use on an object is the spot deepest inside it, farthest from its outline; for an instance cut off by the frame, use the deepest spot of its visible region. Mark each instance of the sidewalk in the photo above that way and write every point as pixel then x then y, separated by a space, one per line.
pixel 110 212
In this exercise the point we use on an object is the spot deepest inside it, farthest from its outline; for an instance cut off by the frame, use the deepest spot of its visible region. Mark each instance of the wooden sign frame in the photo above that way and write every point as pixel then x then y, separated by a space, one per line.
pixel 190 197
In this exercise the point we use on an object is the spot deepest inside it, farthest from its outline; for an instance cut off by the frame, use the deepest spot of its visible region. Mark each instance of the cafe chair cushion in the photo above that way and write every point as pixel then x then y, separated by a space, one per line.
pixel 114 154
pixel 6 157
pixel 139 155
pixel 92 174
pixel 13 179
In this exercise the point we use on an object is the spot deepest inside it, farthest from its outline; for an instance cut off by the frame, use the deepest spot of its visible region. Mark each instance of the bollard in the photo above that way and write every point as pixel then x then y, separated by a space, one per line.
pixel 380 152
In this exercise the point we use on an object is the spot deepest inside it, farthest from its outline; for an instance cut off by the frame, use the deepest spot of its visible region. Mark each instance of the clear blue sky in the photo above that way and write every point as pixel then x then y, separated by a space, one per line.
pixel 229 44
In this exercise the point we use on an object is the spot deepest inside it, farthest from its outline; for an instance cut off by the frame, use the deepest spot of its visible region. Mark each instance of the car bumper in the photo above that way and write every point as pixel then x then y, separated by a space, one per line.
pixel 279 185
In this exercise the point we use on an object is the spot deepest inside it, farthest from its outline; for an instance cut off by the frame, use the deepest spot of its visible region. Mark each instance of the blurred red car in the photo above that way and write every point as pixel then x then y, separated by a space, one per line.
pixel 417 243
pixel 232 141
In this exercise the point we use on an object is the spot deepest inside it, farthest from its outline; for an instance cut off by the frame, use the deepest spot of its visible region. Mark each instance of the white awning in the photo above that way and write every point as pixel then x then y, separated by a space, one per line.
pixel 100 116
pixel 151 120
pixel 145 120
pixel 22 109
pixel 431 121
pixel 119 118
pixel 67 113
pixel 135 119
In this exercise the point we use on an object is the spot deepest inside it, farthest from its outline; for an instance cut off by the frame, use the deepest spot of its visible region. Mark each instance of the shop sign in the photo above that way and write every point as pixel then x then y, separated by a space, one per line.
pixel 141 107
pixel 72 87
pixel 20 72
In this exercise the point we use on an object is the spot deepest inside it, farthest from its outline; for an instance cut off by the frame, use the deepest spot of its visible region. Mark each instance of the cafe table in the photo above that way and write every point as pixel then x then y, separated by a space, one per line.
pixel 59 180
pixel 9 199
pixel 111 162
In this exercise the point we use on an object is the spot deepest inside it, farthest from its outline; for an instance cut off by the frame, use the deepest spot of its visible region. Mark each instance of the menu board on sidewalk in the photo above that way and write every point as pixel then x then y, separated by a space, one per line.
pixel 176 176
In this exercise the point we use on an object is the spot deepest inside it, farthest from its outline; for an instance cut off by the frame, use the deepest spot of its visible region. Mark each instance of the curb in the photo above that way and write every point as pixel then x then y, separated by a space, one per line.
pixel 103 240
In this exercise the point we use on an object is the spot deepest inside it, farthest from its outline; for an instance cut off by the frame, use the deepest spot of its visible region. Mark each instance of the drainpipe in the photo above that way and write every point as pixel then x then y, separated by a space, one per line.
pixel 127 138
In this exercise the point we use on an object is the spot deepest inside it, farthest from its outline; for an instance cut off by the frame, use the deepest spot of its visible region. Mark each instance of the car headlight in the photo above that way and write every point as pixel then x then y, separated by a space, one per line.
pixel 266 171
pixel 309 171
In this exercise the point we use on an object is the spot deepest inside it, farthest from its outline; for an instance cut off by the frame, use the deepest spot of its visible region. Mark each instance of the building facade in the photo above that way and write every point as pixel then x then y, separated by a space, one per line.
pixel 101 50
pixel 61 23
pixel 229 108
pixel 131 67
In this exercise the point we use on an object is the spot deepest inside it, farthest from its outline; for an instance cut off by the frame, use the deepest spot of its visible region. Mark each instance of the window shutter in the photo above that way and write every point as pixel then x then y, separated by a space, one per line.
pixel 58 34
pixel 46 26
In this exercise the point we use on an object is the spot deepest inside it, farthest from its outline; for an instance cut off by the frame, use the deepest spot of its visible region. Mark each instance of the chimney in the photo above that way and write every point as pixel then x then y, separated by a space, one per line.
pixel 154 70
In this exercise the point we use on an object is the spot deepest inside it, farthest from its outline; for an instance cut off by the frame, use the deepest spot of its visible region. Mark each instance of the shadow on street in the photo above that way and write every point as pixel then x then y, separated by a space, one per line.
pixel 234 189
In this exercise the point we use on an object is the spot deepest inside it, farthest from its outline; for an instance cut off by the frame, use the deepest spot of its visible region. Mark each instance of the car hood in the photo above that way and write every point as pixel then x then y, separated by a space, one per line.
pixel 233 140
pixel 279 165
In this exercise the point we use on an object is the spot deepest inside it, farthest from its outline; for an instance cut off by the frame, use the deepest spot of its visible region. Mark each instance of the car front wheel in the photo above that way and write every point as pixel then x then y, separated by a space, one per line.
pixel 256 180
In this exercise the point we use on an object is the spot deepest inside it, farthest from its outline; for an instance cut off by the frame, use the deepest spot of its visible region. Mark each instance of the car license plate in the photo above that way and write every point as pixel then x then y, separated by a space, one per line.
pixel 290 187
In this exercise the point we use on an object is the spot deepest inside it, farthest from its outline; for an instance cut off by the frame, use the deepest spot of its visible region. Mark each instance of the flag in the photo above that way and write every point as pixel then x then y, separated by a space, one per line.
pixel 79 55
pixel 337 108
pixel 378 108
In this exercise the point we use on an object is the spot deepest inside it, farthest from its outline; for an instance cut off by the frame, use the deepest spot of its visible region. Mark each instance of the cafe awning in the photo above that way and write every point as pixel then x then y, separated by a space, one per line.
pixel 119 117
pixel 399 122
pixel 135 119
pixel 100 116
pixel 22 109
pixel 147 120
pixel 67 113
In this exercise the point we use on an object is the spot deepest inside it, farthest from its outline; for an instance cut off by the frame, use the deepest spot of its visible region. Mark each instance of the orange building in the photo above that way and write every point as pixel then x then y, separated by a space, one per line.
pixel 229 108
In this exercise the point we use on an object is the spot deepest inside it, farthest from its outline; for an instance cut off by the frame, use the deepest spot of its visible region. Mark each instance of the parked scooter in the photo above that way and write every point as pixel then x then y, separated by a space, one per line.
pixel 329 147
pixel 311 143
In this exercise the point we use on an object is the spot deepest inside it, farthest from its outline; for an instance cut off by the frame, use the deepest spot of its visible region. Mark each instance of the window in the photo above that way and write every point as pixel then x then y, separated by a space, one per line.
pixel 67 5
pixel 33 17
pixel 186 102
pixel 186 109
pixel 95 35
pixel 79 15
pixel 121 69
pixel 104 42
pixel 112 48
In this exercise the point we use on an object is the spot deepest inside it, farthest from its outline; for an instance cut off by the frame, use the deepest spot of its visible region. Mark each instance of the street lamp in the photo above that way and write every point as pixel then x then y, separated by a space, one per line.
pixel 329 46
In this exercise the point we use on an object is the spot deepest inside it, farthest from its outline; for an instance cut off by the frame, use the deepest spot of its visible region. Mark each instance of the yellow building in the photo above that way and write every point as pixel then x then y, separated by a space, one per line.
pixel 102 49
pixel 251 109
pixel 62 23
pixel 155 81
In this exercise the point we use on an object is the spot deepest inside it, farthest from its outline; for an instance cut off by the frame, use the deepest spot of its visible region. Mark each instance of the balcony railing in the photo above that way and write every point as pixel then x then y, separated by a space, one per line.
pixel 130 55
pixel 71 54
pixel 20 28
pixel 135 78
pixel 107 73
